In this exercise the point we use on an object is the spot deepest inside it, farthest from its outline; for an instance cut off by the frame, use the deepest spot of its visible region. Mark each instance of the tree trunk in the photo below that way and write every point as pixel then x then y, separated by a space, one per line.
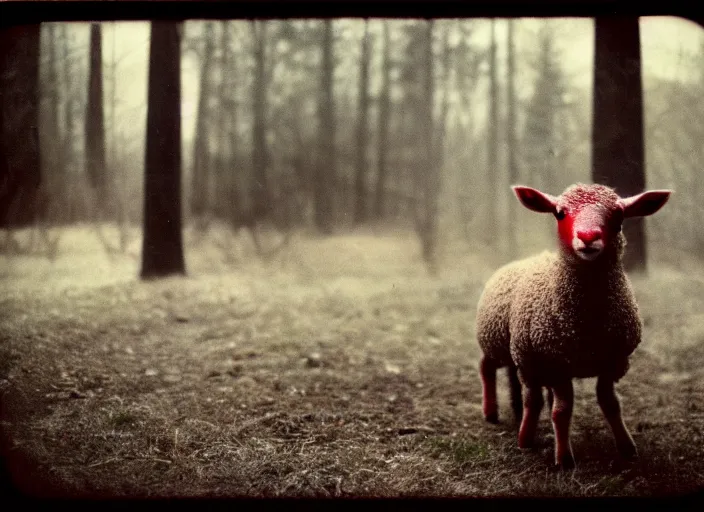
pixel 200 178
pixel 383 126
pixel 53 82
pixel 511 140
pixel 20 174
pixel 261 199
pixel 427 219
pixel 54 171
pixel 440 128
pixel 162 250
pixel 617 138
pixel 77 208
pixel 228 136
pixel 222 172
pixel 362 130
pixel 493 138
pixel 95 126
pixel 325 168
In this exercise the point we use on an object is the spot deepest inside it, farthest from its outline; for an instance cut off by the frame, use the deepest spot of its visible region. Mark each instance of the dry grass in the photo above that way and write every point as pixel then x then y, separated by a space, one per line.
pixel 340 370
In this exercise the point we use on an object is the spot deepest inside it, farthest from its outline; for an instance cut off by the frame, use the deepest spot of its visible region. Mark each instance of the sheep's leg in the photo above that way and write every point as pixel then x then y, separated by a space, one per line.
pixel 487 368
pixel 610 406
pixel 532 405
pixel 550 399
pixel 561 417
pixel 516 398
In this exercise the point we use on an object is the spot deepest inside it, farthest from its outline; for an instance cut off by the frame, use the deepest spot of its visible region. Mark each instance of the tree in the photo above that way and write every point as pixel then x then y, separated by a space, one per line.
pixel 292 100
pixel 493 131
pixel 53 168
pixel 439 129
pixel 428 174
pixel 228 191
pixel 201 165
pixel 617 137
pixel 674 156
pixel 511 137
pixel 383 125
pixel 324 187
pixel 162 250
pixel 95 126
pixel 231 106
pixel 70 161
pixel 540 139
pixel 413 133
pixel 360 213
pixel 223 193
pixel 107 202
pixel 261 198
pixel 20 175
pixel 464 150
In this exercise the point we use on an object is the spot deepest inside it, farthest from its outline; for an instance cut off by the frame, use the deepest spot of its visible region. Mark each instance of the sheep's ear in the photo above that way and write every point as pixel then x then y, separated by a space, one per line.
pixel 646 203
pixel 534 199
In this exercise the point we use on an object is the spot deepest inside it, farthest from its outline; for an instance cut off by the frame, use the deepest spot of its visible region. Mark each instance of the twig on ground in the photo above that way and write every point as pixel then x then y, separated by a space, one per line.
pixel 103 462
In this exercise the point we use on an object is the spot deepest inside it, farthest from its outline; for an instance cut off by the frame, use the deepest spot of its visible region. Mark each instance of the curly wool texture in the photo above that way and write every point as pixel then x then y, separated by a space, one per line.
pixel 580 194
pixel 557 319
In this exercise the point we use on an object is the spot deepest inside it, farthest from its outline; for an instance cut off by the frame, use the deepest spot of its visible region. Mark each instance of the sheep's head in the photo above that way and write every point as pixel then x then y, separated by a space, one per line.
pixel 589 217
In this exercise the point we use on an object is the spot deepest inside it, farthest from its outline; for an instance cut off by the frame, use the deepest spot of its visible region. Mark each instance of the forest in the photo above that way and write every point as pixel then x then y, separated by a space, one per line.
pixel 243 257
pixel 401 121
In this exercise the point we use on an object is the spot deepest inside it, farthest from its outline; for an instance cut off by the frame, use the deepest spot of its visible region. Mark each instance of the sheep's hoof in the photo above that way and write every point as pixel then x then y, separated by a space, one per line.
pixel 526 444
pixel 565 462
pixel 628 451
pixel 492 417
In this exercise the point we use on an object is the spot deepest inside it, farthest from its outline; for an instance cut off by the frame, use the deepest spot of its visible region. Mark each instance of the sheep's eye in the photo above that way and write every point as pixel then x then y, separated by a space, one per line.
pixel 560 214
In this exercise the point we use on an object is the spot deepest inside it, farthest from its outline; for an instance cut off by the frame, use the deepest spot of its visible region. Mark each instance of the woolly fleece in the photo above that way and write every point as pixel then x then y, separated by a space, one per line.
pixel 558 318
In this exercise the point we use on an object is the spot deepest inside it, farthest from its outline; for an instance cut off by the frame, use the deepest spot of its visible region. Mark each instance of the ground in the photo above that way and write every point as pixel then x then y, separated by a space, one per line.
pixel 341 368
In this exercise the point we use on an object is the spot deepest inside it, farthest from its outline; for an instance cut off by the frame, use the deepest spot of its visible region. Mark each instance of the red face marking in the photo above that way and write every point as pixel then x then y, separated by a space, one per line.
pixel 583 229
pixel 564 228
pixel 588 216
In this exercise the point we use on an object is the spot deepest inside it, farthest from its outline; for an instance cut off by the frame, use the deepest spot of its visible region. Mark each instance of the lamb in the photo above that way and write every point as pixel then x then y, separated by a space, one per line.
pixel 567 314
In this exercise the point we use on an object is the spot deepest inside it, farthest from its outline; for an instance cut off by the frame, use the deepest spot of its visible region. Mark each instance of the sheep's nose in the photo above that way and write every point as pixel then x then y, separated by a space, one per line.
pixel 589 235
